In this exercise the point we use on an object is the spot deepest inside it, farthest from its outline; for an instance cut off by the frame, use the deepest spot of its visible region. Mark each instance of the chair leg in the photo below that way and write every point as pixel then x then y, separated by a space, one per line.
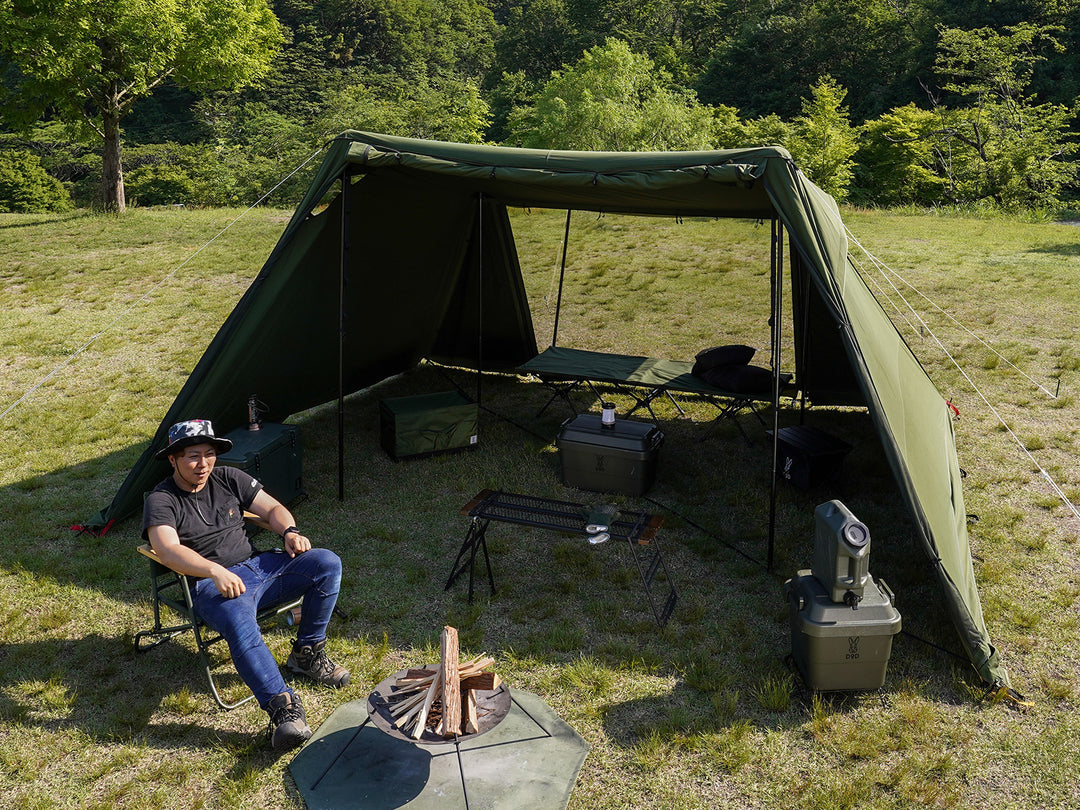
pixel 203 647
pixel 205 637
pixel 159 631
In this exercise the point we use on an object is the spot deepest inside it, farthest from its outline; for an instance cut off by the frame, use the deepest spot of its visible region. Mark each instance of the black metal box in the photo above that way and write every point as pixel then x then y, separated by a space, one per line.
pixel 807 456
pixel 622 457
pixel 273 454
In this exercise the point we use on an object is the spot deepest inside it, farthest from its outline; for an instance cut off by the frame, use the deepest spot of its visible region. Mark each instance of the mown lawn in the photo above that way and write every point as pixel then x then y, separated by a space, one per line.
pixel 102 318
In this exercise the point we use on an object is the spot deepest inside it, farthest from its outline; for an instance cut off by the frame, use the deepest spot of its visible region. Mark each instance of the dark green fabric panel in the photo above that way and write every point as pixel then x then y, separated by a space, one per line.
pixel 500 308
pixel 414 230
pixel 824 375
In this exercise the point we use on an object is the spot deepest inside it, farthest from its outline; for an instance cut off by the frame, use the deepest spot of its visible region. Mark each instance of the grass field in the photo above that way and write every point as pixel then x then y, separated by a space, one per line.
pixel 102 318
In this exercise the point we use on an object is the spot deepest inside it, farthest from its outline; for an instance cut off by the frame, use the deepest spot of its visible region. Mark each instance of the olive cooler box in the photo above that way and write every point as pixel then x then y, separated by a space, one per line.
pixel 622 457
pixel 835 646
pixel 425 424
pixel 273 454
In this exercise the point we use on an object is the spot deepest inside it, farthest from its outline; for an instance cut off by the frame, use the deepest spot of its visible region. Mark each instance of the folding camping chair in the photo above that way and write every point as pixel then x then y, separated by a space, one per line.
pixel 172 590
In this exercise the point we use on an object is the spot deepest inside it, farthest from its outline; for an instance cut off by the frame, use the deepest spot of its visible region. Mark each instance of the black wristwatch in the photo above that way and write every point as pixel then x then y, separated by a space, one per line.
pixel 290 529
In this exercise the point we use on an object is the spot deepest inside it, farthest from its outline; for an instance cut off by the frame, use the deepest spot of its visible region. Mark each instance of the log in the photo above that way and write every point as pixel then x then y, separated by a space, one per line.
pixel 476 665
pixel 483 680
pixel 470 723
pixel 402 706
pixel 432 693
pixel 451 683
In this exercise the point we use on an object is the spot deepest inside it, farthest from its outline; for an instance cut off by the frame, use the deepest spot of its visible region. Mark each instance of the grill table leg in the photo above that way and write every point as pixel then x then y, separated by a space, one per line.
pixel 475 538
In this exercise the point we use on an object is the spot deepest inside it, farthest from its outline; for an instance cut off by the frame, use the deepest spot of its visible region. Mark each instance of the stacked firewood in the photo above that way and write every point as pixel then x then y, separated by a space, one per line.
pixel 443 699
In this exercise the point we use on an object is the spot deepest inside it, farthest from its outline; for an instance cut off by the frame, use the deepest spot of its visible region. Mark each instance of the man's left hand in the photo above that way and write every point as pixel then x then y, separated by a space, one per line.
pixel 296 544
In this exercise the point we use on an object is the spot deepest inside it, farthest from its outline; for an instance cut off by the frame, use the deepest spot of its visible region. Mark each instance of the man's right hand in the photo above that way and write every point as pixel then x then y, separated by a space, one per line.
pixel 228 584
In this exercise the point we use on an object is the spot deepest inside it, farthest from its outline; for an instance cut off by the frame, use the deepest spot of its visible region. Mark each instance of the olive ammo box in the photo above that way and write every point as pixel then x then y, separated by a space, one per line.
pixel 836 646
pixel 622 457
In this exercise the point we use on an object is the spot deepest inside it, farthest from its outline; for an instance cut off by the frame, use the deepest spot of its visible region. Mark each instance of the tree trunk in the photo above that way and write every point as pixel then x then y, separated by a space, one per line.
pixel 112 172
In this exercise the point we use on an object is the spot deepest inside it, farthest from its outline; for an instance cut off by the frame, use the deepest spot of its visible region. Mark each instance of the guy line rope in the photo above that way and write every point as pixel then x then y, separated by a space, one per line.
pixel 888 273
pixel 94 338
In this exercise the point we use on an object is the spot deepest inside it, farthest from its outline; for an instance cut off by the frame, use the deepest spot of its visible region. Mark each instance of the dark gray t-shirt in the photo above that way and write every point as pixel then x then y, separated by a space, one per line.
pixel 210 521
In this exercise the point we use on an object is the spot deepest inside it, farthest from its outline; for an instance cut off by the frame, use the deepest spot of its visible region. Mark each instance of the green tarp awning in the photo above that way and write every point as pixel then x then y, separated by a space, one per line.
pixel 398 245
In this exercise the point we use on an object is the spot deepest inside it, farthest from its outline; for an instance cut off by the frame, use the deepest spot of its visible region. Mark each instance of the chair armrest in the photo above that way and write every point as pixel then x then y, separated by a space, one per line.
pixel 148 551
pixel 255 520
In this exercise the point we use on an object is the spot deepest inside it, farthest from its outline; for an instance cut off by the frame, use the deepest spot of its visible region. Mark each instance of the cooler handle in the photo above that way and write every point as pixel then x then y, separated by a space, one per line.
pixel 884 586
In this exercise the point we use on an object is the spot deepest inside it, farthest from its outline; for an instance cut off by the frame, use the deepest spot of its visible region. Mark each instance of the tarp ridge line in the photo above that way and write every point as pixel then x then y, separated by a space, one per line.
pixel 754 169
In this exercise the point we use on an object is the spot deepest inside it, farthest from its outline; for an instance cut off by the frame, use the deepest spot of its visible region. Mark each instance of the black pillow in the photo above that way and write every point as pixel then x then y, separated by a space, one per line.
pixel 709 359
pixel 740 379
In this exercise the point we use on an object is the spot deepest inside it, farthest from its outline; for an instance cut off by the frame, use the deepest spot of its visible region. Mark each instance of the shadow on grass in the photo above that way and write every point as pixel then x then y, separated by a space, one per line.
pixel 1064 249
pixel 101 687
pixel 399 527
pixel 46 220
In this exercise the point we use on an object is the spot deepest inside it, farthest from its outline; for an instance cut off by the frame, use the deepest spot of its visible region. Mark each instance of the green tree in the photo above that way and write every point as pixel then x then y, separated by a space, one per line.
pixel 440 109
pixel 897 159
pixel 613 99
pixel 767 130
pixel 536 39
pixel 89 61
pixel 1002 145
pixel 26 188
pixel 823 140
pixel 873 47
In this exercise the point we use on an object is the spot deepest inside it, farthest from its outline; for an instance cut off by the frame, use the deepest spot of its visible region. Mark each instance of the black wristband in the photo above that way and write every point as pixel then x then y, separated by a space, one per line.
pixel 290 529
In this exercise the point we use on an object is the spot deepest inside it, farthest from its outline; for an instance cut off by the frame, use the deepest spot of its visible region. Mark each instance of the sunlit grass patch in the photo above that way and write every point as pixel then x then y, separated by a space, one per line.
pixel 773 692
pixel 695 715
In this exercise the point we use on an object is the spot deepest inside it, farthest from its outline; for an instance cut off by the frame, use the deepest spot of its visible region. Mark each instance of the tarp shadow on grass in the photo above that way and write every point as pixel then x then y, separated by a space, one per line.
pixel 101 687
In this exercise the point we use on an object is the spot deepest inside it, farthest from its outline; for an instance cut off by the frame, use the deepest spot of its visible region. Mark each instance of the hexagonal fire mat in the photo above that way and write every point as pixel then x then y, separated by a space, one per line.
pixel 531 759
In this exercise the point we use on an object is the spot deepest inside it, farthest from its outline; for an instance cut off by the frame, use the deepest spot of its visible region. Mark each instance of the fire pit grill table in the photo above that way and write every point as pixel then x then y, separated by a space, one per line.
pixel 638 529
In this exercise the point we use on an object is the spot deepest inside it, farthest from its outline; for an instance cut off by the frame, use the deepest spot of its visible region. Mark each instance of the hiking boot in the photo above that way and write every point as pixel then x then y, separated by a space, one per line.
pixel 288 721
pixel 311 660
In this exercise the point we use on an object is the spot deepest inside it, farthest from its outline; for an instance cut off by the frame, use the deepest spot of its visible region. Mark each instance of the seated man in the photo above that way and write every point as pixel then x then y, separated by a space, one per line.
pixel 194 520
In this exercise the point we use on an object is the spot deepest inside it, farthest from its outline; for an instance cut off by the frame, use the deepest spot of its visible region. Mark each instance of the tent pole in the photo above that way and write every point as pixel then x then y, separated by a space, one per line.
pixel 803 362
pixel 479 297
pixel 777 273
pixel 562 275
pixel 345 212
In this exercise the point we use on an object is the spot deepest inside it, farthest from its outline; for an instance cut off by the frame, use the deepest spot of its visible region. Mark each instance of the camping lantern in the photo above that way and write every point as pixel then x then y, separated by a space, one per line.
pixel 841 552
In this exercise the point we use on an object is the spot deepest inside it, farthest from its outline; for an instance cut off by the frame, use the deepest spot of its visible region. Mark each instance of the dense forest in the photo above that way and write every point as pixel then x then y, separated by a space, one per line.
pixel 217 102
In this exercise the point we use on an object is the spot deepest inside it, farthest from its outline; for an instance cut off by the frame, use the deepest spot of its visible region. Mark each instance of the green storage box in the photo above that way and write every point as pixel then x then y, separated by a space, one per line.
pixel 273 454
pixel 837 647
pixel 622 457
pixel 425 424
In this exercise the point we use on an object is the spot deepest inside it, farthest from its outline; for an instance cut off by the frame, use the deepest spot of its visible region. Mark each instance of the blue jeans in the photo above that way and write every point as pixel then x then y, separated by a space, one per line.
pixel 271 578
